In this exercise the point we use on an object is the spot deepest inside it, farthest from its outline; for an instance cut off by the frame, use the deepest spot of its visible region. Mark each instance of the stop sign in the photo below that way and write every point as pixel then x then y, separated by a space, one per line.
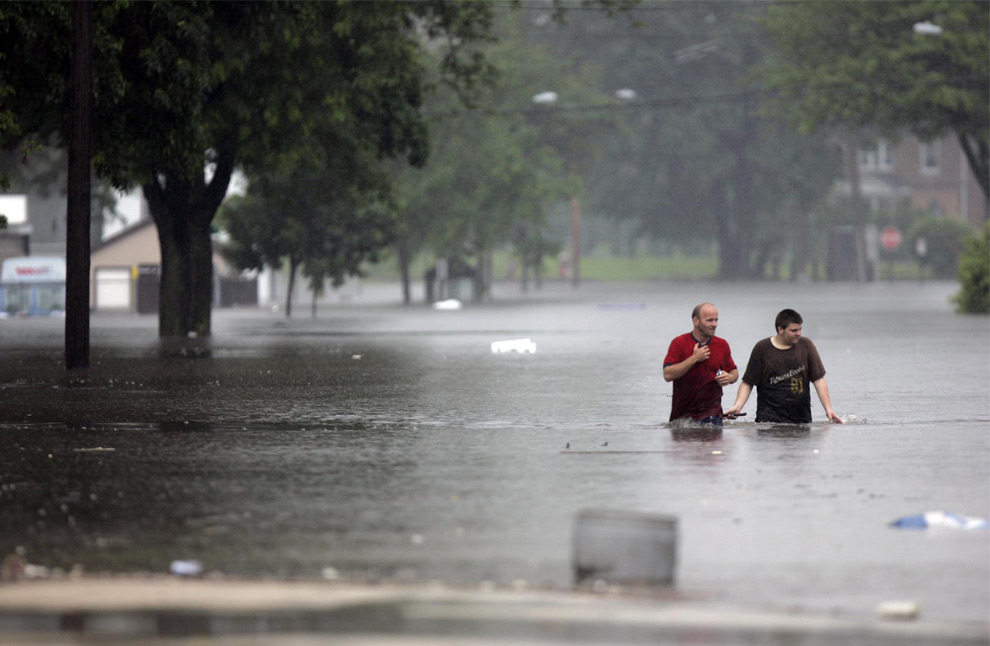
pixel 890 238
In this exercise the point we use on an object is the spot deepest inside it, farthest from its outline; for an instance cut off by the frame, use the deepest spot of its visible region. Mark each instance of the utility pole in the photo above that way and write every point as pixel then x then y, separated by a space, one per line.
pixel 77 241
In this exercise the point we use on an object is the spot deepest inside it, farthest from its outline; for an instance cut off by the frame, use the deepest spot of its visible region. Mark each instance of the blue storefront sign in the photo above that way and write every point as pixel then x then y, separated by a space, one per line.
pixel 32 286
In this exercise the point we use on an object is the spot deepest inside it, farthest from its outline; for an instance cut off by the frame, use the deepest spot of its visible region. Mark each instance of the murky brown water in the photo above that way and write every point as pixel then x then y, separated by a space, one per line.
pixel 386 442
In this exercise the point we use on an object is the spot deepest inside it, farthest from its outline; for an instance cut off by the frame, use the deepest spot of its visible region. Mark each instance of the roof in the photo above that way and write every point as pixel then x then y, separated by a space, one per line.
pixel 140 225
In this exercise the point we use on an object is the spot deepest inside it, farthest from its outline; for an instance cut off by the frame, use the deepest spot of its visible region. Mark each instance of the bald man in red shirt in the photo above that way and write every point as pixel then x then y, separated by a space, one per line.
pixel 700 364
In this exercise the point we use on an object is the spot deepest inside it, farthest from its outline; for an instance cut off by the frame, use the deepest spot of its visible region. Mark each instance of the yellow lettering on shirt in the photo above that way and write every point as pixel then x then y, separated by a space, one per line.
pixel 797 386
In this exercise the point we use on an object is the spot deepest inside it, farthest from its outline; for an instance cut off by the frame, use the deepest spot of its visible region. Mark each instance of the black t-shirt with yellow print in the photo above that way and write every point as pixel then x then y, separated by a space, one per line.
pixel 783 380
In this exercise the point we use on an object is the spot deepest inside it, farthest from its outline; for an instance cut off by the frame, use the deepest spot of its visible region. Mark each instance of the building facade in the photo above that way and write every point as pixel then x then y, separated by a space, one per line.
pixel 934 177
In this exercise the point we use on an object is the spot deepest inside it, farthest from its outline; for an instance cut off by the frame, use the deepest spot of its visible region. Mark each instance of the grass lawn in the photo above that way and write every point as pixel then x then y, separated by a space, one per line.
pixel 603 268
pixel 677 266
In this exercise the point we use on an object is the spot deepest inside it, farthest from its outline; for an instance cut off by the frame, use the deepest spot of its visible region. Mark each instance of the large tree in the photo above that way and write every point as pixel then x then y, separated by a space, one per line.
pixel 492 171
pixel 183 86
pixel 695 159
pixel 916 65
pixel 323 215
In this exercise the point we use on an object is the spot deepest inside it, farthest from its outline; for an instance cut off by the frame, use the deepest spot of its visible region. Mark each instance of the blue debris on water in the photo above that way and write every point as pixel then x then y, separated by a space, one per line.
pixel 186 568
pixel 940 519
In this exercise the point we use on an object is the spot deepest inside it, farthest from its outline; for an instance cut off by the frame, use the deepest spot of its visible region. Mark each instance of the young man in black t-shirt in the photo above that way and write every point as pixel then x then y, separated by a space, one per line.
pixel 782 368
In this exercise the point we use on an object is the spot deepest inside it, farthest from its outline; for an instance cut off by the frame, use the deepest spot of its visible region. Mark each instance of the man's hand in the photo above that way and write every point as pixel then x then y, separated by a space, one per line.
pixel 701 353
pixel 723 379
pixel 732 413
pixel 678 370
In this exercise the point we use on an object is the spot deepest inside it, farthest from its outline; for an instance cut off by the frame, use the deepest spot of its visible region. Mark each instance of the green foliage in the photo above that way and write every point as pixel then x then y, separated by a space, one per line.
pixel 695 158
pixel 489 175
pixel 684 172
pixel 677 266
pixel 183 85
pixel 862 65
pixel 974 275
pixel 944 242
pixel 326 215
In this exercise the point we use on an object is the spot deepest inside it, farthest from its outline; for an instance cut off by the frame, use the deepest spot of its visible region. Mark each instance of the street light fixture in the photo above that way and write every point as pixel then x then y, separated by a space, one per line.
pixel 545 98
pixel 927 28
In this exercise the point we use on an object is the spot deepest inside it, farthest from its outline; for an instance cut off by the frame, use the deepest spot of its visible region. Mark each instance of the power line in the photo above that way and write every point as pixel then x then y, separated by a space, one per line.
pixel 692 100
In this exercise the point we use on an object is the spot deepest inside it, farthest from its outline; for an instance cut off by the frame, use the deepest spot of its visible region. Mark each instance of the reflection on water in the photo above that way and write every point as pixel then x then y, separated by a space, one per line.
pixel 390 443
pixel 784 430
pixel 697 434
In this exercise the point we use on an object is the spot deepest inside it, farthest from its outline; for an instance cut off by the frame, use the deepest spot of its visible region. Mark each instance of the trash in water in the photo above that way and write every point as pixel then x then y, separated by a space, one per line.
pixel 940 519
pixel 449 304
pixel 514 345
pixel 186 568
pixel 902 610
pixel 15 567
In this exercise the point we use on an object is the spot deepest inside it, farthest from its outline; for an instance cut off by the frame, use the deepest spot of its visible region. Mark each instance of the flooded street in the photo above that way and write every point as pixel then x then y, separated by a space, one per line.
pixel 382 442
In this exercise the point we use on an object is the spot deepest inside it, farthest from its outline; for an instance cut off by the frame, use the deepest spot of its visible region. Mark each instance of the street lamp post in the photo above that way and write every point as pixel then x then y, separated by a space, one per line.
pixel 550 98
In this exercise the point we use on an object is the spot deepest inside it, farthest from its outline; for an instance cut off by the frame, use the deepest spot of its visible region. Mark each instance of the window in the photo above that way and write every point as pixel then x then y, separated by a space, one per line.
pixel 14 207
pixel 930 154
pixel 877 156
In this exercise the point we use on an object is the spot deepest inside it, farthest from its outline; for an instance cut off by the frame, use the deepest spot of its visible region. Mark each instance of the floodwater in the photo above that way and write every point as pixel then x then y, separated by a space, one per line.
pixel 388 443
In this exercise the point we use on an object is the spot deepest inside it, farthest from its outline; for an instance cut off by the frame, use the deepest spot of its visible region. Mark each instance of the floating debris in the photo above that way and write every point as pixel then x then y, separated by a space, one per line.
pixel 521 346
pixel 186 568
pixel 450 304
pixel 940 519
pixel 901 610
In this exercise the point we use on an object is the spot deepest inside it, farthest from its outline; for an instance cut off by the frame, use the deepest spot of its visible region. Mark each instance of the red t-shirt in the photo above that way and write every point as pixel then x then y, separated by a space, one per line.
pixel 696 393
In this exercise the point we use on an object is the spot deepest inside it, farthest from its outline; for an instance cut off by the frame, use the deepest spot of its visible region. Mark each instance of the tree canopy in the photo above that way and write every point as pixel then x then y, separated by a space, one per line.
pixel 183 86
pixel 907 65
pixel 694 159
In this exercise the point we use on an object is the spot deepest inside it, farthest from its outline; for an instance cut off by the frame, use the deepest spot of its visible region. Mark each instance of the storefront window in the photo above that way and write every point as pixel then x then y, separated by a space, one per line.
pixel 18 299
pixel 51 298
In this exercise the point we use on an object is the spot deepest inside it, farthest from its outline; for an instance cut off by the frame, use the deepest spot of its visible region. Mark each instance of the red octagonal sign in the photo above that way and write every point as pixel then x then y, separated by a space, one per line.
pixel 890 238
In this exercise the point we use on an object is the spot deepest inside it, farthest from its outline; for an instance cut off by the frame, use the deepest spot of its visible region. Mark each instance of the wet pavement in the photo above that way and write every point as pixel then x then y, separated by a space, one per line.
pixel 228 612
pixel 379 445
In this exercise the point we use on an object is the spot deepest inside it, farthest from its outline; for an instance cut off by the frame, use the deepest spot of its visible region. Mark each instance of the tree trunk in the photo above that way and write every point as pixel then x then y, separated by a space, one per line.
pixel 293 265
pixel 200 275
pixel 741 209
pixel 78 204
pixel 576 241
pixel 483 277
pixel 173 292
pixel 183 209
pixel 405 258
pixel 978 155
pixel 856 205
pixel 799 249
pixel 731 259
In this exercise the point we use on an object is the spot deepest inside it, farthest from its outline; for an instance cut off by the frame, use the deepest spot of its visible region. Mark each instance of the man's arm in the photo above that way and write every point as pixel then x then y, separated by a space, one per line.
pixel 822 389
pixel 742 395
pixel 678 370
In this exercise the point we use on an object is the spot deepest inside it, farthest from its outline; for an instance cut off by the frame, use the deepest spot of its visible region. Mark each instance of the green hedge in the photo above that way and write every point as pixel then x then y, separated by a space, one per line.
pixel 944 239
pixel 974 275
